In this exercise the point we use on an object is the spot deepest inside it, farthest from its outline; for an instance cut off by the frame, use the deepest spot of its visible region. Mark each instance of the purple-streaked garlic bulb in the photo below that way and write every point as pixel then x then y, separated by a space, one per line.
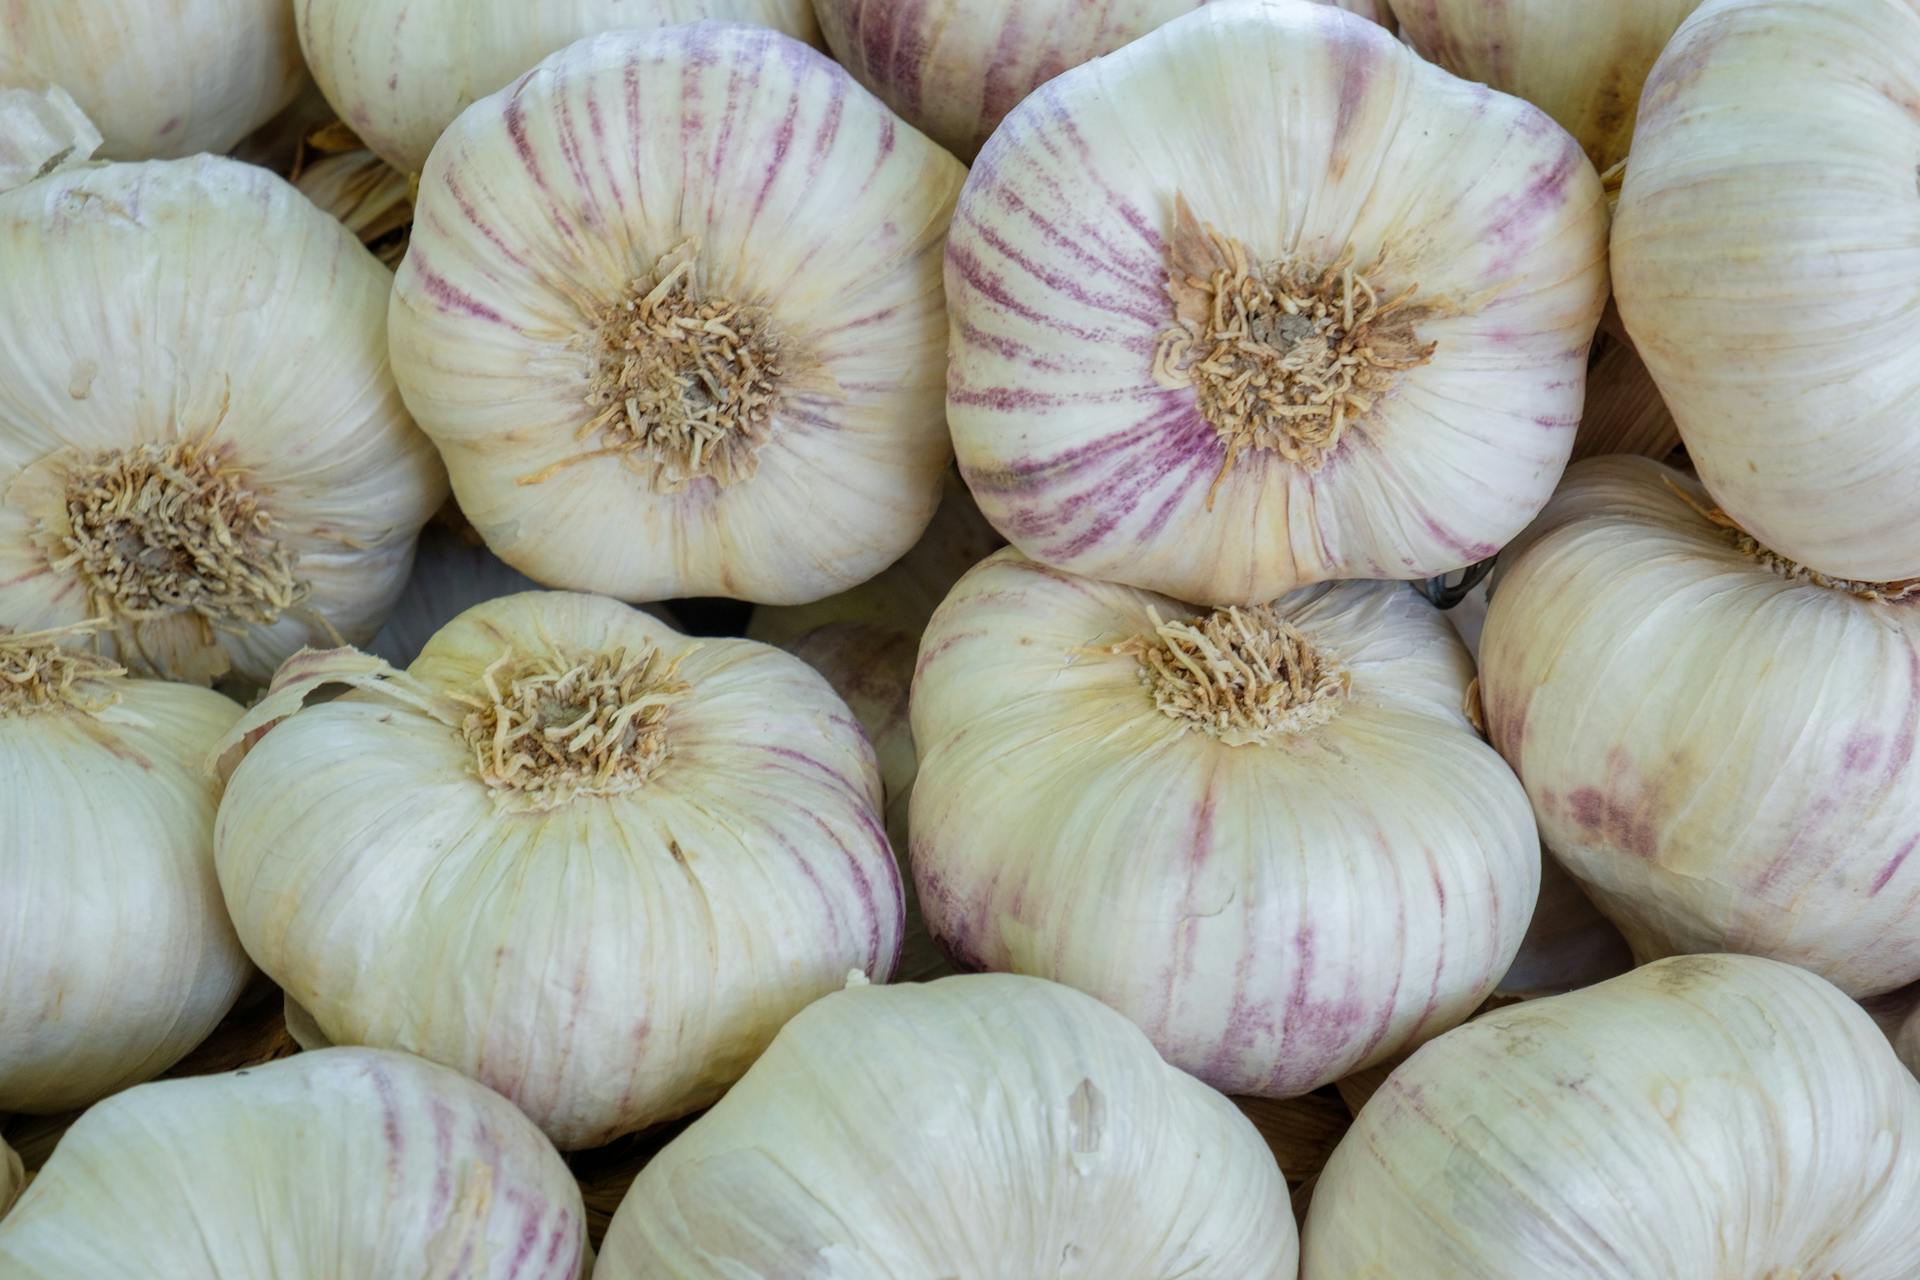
pixel 672 312
pixel 1263 300
pixel 1267 834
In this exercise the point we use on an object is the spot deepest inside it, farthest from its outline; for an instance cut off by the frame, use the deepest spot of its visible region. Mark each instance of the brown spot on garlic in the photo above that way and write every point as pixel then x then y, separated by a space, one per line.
pixel 38 674
pixel 1241 675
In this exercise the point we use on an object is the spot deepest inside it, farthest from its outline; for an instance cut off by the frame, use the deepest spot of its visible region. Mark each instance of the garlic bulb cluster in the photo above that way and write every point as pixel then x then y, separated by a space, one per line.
pixel 346 1162
pixel 160 80
pixel 1268 835
pixel 954 68
pixel 399 71
pixel 1764 257
pixel 116 955
pixel 1701 1116
pixel 41 131
pixel 1223 362
pixel 451 573
pixel 369 196
pixel 1718 742
pixel 569 852
pixel 666 293
pixel 985 1125
pixel 200 440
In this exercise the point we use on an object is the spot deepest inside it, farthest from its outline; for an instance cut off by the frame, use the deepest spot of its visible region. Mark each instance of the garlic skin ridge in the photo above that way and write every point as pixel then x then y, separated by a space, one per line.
pixel 1705 1115
pixel 1055 1139
pixel 1277 904
pixel 344 1162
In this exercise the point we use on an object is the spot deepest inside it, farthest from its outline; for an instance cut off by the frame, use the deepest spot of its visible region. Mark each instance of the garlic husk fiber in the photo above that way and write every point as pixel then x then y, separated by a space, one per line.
pixel 1701 1116
pixel 370 197
pixel 1766 259
pixel 200 440
pixel 116 955
pixel 345 1162
pixel 1051 1137
pixel 1355 349
pixel 1269 836
pixel 568 851
pixel 1718 742
pixel 41 131
pixel 747 192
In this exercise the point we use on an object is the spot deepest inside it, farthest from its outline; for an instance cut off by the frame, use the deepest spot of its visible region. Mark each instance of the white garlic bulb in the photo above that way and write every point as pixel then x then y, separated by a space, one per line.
pixel 371 198
pixel 41 131
pixel 672 312
pixel 569 852
pixel 1267 835
pixel 1223 361
pixel 954 68
pixel 199 437
pixel 116 956
pixel 1702 1116
pixel 1718 743
pixel 1765 266
pixel 977 1126
pixel 160 80
pixel 345 1162
pixel 399 71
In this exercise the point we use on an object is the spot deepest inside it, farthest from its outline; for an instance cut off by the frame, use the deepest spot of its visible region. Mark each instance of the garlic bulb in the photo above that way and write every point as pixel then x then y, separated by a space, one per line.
pixel 116 956
pixel 1624 412
pixel 160 80
pixel 199 437
pixel 977 1126
pixel 368 195
pixel 346 1162
pixel 1223 362
pixel 1266 835
pixel 569 852
pixel 1719 743
pixel 1702 1116
pixel 1582 63
pixel 1765 262
pixel 41 131
pixel 399 71
pixel 746 192
pixel 954 68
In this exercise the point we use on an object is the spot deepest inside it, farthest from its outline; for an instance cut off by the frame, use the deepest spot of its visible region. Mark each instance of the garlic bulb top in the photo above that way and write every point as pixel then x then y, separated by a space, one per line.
pixel 1718 743
pixel 977 1126
pixel 1766 262
pixel 1266 835
pixel 116 955
pixel 1223 362
pixel 345 1162
pixel 672 312
pixel 954 68
pixel 199 437
pixel 1702 1116
pixel 399 71
pixel 160 80
pixel 569 851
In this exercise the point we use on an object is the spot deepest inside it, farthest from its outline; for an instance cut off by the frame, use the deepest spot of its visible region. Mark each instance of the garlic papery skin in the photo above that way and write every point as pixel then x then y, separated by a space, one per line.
pixel 160 80
pixel 399 71
pixel 1719 744
pixel 200 439
pixel 1043 1127
pixel 954 68
pixel 1766 258
pixel 1704 1116
pixel 716 180
pixel 369 196
pixel 345 1162
pixel 116 955
pixel 1421 265
pixel 1268 836
pixel 41 131
pixel 569 852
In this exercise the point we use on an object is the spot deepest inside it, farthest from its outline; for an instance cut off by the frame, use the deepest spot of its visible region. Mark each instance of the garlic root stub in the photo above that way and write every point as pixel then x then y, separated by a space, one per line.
pixel 1268 836
pixel 1701 1116
pixel 116 955
pixel 1223 362
pixel 200 438
pixel 985 1125
pixel 570 852
pixel 1718 743
pixel 344 1162
pixel 672 312
pixel 1765 262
